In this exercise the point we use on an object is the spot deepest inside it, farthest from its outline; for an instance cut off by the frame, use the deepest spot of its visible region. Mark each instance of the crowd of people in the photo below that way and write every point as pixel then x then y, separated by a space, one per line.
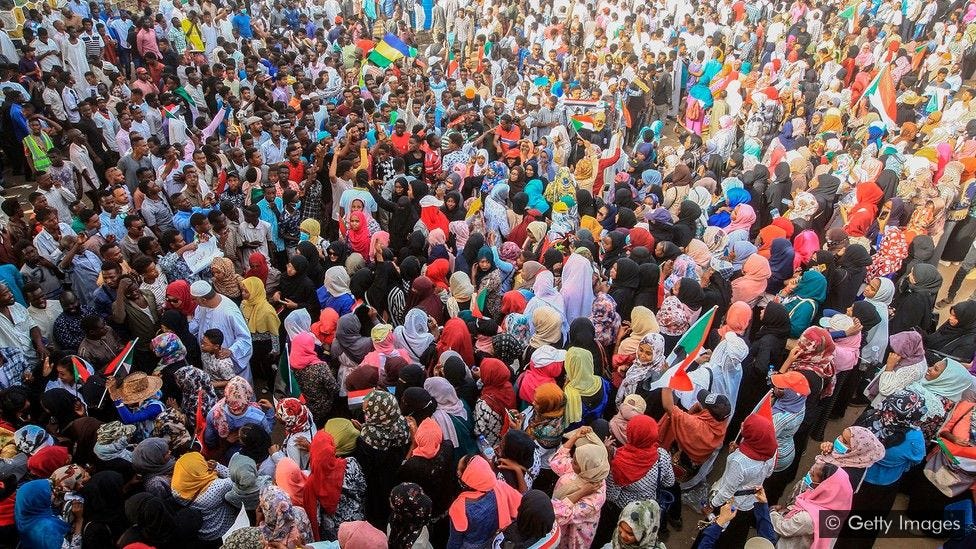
pixel 480 274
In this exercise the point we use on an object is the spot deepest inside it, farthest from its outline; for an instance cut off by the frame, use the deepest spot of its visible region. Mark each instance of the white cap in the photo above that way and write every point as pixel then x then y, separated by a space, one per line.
pixel 837 323
pixel 200 288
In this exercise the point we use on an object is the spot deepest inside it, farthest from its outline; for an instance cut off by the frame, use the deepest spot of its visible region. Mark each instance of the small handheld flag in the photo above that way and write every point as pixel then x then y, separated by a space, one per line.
pixel 765 407
pixel 201 420
pixel 83 369
pixel 124 359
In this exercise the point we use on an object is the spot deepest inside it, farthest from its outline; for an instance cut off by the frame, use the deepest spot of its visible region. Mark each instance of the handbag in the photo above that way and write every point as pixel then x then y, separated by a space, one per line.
pixel 663 496
pixel 945 475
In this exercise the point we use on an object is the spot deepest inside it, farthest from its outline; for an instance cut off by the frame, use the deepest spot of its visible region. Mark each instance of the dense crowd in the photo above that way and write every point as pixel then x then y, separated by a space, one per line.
pixel 466 274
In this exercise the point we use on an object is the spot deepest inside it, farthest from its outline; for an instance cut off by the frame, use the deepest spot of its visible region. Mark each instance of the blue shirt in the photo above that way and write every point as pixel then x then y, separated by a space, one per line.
pixel 897 460
pixel 14 279
pixel 112 225
pixel 242 22
pixel 268 215
pixel 482 516
pixel 181 220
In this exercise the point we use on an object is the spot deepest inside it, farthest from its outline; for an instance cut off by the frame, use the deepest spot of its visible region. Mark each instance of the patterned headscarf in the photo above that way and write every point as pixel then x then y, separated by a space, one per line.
pixel 517 325
pixel 191 381
pixel 69 478
pixel 900 412
pixel 410 513
pixel 384 424
pixel 644 519
pixel 168 347
pixel 294 415
pixel 283 522
pixel 31 438
pixel 605 319
pixel 238 395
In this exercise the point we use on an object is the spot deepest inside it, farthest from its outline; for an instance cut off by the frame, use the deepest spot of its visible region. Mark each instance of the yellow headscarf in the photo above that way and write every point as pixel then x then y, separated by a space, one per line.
pixel 260 315
pixel 344 433
pixel 580 382
pixel 191 475
pixel 314 230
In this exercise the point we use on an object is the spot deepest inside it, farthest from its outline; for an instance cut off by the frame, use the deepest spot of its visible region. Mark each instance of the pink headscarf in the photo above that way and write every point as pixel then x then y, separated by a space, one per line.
pixel 360 534
pixel 833 494
pixel 745 216
pixel 804 246
pixel 752 283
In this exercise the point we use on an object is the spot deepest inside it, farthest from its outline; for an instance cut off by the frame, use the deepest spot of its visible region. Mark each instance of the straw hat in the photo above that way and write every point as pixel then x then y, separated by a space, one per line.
pixel 135 388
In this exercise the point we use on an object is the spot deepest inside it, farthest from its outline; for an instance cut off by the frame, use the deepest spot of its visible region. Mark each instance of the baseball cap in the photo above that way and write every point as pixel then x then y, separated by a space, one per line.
pixel 792 380
pixel 716 404
pixel 836 321
pixel 200 288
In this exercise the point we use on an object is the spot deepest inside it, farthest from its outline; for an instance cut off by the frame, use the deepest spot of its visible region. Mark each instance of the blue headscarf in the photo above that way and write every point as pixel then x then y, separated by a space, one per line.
pixel 742 250
pixel 733 197
pixel 500 171
pixel 38 527
pixel 536 201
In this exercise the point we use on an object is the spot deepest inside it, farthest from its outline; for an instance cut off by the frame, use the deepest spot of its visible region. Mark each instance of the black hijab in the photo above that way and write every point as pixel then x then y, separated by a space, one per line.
pixel 775 321
pixel 669 250
pixel 175 321
pixel 584 203
pixel 686 226
pixel 649 275
pixel 299 288
pixel 626 217
pixel 690 293
pixel 456 372
pixel 385 278
pixel 617 243
pixel 417 403
pixel 535 520
pixel 409 269
pixel 457 212
pixel 582 334
pixel 311 254
pixel 957 341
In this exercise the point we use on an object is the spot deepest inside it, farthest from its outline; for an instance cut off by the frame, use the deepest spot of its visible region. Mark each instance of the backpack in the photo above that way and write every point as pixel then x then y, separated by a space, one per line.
pixel 694 111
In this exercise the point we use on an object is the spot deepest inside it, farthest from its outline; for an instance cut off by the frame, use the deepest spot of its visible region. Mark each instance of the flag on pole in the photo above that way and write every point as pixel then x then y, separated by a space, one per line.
pixel 765 406
pixel 288 376
pixel 201 420
pixel 581 122
pixel 881 95
pixel 123 361
pixel 389 50
pixel 849 14
pixel 365 45
pixel 453 67
pixel 83 369
pixel 687 350
pixel 355 398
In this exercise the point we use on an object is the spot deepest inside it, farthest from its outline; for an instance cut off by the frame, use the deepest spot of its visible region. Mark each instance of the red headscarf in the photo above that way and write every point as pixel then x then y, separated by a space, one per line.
pixel 257 266
pixel 497 392
pixel 359 239
pixel 786 225
pixel 181 289
pixel 480 478
pixel 737 318
pixel 865 210
pixel 632 461
pixel 640 236
pixel 325 328
pixel 456 337
pixel 513 302
pixel 758 438
pixel 324 483
pixel 434 218
pixel 437 272
pixel 428 438
pixel 48 460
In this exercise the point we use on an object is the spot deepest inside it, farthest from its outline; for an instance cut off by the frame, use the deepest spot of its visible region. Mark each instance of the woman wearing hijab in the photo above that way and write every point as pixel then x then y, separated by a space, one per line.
pixel 178 298
pixel 39 528
pixel 956 337
pixel 916 299
pixel 749 287
pixel 314 376
pixel 679 311
pixel 906 366
pixel 624 283
pixel 581 489
pixel 582 334
pixel 742 218
pixel 415 338
pixel 453 417
pixel 383 444
pixel 802 297
pixel 334 488
pixel 894 424
pixel 686 226
pixel 455 336
pixel 487 278
pixel 423 296
pixel 297 291
pixel 636 470
pixel 535 524
pixel 497 397
pixel 349 347
pixel 335 294
pixel 103 509
pixel 781 264
pixel 411 513
pixel 263 323
pixel 545 366
pixel 614 247
pixel 475 519
pixel 586 393
pixel 576 286
pixel 846 280
pixel 855 450
pixel 199 486
pixel 747 467
pixel 175 321
pixel 829 491
pixel 152 459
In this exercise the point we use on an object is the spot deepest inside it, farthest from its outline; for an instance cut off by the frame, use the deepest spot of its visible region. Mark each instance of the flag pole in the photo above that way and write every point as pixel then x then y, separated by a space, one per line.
pixel 738 436
pixel 115 373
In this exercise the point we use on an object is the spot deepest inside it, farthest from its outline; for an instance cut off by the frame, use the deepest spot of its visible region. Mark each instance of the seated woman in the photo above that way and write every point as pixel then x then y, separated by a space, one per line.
pixel 232 412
